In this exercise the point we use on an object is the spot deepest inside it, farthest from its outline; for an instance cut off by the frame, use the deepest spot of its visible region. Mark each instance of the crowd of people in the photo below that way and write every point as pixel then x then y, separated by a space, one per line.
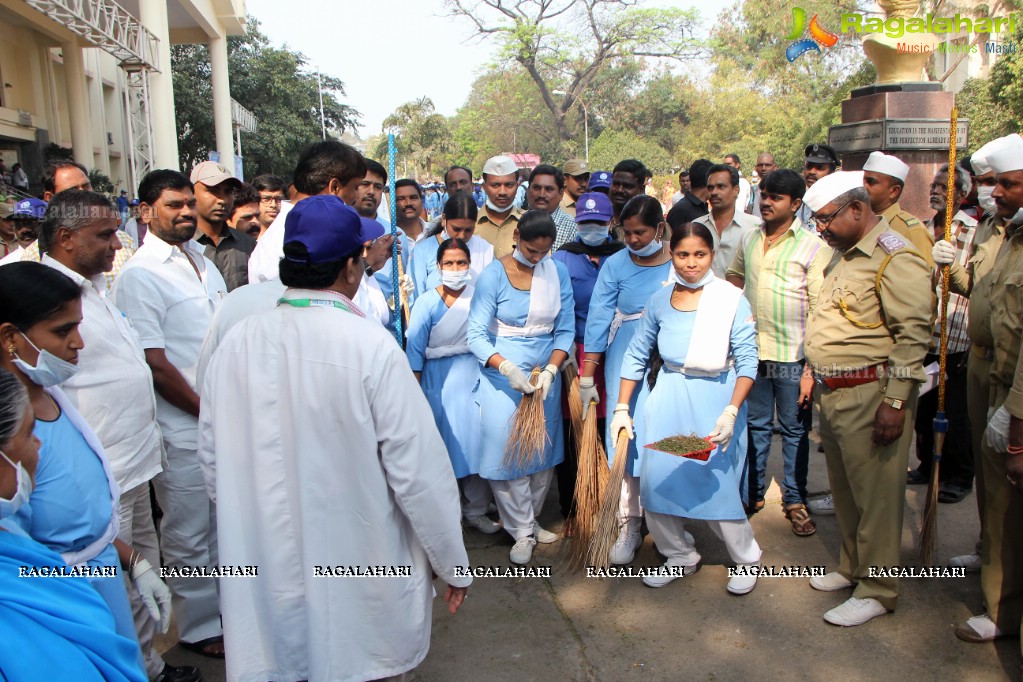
pixel 292 390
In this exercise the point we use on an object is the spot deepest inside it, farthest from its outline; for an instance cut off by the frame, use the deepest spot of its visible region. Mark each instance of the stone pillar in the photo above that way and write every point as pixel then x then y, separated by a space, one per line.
pixel 153 15
pixel 78 104
pixel 222 101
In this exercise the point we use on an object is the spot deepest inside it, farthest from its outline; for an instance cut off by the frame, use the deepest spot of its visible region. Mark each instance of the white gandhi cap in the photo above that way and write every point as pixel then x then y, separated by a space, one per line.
pixel 1008 156
pixel 828 188
pixel 978 160
pixel 500 165
pixel 879 162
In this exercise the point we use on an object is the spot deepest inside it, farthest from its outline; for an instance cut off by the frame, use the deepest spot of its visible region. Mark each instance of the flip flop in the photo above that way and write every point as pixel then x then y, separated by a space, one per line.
pixel 802 524
pixel 950 493
pixel 202 646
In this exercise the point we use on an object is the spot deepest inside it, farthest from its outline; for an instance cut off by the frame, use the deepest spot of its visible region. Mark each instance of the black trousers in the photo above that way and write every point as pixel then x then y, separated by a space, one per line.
pixel 957 454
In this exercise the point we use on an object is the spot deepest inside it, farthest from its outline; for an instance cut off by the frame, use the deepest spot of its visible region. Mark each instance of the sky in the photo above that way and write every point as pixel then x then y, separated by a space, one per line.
pixel 389 52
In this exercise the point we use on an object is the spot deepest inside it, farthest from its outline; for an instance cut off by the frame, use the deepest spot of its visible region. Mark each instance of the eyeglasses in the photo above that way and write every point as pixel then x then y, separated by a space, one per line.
pixel 825 220
pixel 276 199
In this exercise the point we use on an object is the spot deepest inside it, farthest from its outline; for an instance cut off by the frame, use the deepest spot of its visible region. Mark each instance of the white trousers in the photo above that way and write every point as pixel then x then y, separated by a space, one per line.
pixel 667 532
pixel 188 535
pixel 629 506
pixel 139 531
pixel 476 495
pixel 520 500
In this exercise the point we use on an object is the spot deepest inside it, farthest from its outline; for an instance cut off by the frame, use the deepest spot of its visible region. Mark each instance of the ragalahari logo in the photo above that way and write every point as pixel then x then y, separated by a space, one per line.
pixel 819 36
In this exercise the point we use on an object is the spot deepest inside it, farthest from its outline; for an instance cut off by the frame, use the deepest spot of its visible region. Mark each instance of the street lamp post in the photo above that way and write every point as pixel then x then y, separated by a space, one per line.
pixel 586 121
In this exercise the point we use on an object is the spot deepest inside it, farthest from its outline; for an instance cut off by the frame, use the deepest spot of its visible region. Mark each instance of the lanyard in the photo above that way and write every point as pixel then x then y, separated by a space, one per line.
pixel 314 303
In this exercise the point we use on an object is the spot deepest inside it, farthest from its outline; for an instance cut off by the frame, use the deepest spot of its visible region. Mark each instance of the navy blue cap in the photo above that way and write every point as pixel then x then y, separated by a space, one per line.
pixel 600 179
pixel 30 208
pixel 326 226
pixel 593 207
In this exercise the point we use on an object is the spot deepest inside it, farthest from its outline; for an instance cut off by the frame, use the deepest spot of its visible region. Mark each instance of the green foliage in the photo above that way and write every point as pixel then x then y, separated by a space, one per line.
pixel 54 152
pixel 614 145
pixel 988 119
pixel 422 136
pixel 1006 88
pixel 100 182
pixel 274 84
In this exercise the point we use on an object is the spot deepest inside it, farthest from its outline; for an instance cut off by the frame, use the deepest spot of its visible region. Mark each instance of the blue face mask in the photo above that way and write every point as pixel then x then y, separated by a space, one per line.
pixel 592 235
pixel 517 255
pixel 650 249
pixel 678 279
pixel 10 507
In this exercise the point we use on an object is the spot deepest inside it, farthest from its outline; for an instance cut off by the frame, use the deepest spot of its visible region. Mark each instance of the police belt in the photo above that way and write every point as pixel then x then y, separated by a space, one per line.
pixel 850 379
pixel 983 353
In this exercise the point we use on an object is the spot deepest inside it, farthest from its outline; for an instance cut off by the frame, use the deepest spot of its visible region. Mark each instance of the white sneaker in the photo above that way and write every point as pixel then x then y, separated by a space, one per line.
pixel 522 550
pixel 665 576
pixel 482 524
pixel 979 629
pixel 624 550
pixel 832 582
pixel 855 611
pixel 744 583
pixel 971 562
pixel 825 506
pixel 544 537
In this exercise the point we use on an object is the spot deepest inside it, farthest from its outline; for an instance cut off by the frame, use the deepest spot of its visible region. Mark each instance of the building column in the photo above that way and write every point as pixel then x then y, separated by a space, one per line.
pixel 97 105
pixel 78 104
pixel 221 83
pixel 153 15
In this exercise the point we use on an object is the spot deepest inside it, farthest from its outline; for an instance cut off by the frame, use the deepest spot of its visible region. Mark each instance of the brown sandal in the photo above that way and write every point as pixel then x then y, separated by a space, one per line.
pixel 802 524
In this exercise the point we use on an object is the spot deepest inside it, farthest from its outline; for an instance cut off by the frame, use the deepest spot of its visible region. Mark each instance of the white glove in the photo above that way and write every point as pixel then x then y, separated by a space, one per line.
pixel 997 432
pixel 545 380
pixel 943 252
pixel 570 362
pixel 620 421
pixel 516 379
pixel 154 593
pixel 588 393
pixel 724 428
pixel 406 284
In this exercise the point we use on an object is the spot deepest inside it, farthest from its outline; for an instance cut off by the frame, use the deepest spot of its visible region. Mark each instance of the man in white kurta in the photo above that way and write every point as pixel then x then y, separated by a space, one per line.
pixel 328 463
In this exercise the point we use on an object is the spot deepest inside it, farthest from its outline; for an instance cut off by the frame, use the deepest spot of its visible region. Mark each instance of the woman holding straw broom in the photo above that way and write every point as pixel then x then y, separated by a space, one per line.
pixel 703 329
pixel 625 284
pixel 438 352
pixel 522 319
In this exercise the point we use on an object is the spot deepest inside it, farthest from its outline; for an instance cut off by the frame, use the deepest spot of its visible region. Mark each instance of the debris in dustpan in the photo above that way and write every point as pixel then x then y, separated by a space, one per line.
pixel 691 446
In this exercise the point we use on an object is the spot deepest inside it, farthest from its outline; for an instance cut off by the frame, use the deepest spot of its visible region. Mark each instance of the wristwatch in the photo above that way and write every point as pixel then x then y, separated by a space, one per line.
pixel 895 403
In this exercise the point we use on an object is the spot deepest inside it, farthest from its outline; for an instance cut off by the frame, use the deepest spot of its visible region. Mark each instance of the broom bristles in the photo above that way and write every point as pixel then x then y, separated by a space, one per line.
pixel 529 437
pixel 605 533
pixel 575 402
pixel 929 531
pixel 590 484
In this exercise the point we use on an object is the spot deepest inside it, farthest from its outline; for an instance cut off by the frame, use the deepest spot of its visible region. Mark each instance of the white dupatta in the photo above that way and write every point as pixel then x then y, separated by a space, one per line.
pixel 544 304
pixel 712 330
pixel 451 335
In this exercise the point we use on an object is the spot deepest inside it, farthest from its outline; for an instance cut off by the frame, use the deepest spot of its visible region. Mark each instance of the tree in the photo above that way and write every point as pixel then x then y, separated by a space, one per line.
pixel 566 44
pixel 271 83
pixel 421 134
pixel 988 119
pixel 615 145
pixel 1007 83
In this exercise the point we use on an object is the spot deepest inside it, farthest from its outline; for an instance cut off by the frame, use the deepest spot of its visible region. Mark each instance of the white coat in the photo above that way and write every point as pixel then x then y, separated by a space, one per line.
pixel 327 456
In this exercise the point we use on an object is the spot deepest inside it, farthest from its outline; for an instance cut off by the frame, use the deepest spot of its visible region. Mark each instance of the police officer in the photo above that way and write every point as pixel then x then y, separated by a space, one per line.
pixel 884 177
pixel 821 160
pixel 865 342
pixel 1001 570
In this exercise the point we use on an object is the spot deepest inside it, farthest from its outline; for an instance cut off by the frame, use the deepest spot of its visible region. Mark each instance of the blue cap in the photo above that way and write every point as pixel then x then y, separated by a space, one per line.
pixel 599 179
pixel 30 208
pixel 327 228
pixel 372 228
pixel 593 207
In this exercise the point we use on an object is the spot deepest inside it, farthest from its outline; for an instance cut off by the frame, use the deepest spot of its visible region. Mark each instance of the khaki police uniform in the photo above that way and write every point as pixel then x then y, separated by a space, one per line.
pixel 910 227
pixel 862 321
pixel 1001 552
pixel 500 234
pixel 568 204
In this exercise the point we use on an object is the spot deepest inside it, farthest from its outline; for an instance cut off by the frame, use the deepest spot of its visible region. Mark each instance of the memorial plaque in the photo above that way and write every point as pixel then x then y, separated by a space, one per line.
pixel 865 136
pixel 923 134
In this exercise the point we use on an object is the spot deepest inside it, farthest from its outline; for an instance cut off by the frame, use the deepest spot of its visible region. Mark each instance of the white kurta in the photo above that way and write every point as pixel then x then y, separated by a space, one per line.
pixel 334 461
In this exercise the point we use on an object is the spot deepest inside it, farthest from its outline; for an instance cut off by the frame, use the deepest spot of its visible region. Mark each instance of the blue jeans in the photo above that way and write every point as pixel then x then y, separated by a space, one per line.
pixel 777 388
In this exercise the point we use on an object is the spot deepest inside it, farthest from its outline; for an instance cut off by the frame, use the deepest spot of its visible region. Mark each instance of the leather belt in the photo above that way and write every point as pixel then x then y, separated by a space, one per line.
pixel 983 353
pixel 850 379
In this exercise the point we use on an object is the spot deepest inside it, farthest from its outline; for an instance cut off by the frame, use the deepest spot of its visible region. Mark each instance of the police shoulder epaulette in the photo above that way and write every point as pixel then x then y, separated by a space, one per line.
pixel 891 242
pixel 911 220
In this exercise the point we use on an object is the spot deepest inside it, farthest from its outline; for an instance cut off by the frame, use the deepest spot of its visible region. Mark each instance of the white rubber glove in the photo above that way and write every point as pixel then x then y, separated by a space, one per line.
pixel 570 362
pixel 724 428
pixel 406 284
pixel 516 379
pixel 154 593
pixel 620 421
pixel 997 432
pixel 943 252
pixel 588 393
pixel 545 380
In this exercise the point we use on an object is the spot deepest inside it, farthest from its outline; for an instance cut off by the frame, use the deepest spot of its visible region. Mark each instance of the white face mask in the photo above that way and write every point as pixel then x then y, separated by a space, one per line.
pixel 678 279
pixel 592 235
pixel 650 249
pixel 49 370
pixel 517 255
pixel 985 200
pixel 497 209
pixel 10 507
pixel 455 279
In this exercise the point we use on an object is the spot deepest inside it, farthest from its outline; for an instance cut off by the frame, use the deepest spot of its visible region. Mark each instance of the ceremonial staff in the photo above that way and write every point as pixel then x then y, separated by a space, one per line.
pixel 397 271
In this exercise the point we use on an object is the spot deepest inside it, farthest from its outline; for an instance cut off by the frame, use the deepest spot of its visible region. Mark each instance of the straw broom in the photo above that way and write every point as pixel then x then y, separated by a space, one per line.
pixel 590 486
pixel 605 533
pixel 575 402
pixel 529 436
pixel 929 532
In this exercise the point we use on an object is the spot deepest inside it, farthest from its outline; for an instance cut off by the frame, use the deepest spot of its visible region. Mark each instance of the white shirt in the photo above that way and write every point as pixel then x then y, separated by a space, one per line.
pixel 371 300
pixel 171 308
pixel 265 260
pixel 744 193
pixel 334 461
pixel 726 243
pixel 14 256
pixel 113 388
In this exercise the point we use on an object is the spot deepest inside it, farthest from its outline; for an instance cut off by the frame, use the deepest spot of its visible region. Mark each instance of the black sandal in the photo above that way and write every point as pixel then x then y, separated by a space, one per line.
pixel 950 493
pixel 201 647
